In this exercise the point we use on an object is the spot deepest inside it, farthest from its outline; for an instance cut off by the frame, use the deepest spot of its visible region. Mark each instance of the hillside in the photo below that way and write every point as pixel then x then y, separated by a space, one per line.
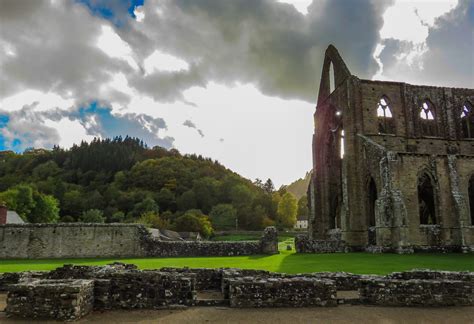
pixel 300 186
pixel 122 180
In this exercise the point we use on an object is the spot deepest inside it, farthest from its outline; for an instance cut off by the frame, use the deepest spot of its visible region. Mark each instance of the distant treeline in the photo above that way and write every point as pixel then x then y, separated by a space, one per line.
pixel 122 180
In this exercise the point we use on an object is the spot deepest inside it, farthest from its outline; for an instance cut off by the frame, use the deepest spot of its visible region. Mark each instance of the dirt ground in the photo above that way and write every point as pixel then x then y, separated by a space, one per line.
pixel 340 314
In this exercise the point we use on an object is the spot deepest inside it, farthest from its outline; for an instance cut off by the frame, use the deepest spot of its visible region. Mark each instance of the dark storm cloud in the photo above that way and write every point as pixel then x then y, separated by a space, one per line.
pixel 53 47
pixel 263 42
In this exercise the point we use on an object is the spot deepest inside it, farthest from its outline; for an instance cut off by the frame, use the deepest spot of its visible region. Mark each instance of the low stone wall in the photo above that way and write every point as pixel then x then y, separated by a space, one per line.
pixel 9 278
pixel 281 292
pixel 55 299
pixel 206 279
pixel 122 286
pixel 426 274
pixel 144 290
pixel 35 241
pixel 416 292
pixel 303 244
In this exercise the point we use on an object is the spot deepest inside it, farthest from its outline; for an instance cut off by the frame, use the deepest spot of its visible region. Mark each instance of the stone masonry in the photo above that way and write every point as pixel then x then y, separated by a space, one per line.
pixel 65 293
pixel 59 299
pixel 77 240
pixel 393 165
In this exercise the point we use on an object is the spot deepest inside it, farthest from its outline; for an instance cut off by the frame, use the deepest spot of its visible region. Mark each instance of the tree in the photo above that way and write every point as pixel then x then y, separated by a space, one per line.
pixel 153 220
pixel 268 186
pixel 46 209
pixel 187 201
pixel 166 199
pixel 303 206
pixel 223 217
pixel 20 199
pixel 206 191
pixel 92 216
pixel 147 205
pixel 287 209
pixel 194 221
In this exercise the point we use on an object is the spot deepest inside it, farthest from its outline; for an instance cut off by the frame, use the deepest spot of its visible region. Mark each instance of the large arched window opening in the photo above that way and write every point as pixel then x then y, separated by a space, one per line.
pixel 371 199
pixel 467 121
pixel 471 199
pixel 426 200
pixel 384 117
pixel 428 119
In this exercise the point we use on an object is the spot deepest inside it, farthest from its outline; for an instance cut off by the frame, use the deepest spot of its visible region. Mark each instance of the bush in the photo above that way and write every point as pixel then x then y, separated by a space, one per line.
pixel 153 220
pixel 194 221
pixel 92 216
pixel 223 217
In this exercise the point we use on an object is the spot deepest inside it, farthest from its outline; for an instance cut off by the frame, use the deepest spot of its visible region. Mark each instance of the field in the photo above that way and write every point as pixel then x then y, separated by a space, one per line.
pixel 286 261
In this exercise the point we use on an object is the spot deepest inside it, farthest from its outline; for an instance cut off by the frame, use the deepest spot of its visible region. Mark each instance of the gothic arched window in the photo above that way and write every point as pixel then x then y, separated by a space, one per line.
pixel 467 121
pixel 426 200
pixel 428 119
pixel 384 116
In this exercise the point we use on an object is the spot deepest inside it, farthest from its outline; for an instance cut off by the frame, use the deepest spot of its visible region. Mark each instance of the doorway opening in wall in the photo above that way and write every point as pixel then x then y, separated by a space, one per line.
pixel 426 200
pixel 471 198
pixel 372 198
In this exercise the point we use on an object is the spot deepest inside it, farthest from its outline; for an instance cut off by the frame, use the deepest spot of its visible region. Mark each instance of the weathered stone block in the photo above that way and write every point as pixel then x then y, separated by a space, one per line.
pixel 281 292
pixel 51 299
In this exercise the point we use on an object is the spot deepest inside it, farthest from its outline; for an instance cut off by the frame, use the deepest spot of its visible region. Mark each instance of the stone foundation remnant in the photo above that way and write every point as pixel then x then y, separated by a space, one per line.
pixel 393 165
pixel 74 240
pixel 281 292
pixel 70 292
pixel 58 299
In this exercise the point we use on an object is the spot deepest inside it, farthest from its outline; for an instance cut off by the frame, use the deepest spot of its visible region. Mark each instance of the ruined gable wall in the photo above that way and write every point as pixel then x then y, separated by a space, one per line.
pixel 416 152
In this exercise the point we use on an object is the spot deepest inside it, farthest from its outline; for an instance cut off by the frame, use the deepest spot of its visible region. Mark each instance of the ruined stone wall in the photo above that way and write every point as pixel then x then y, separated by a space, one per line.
pixel 36 241
pixel 43 299
pixel 304 244
pixel 416 292
pixel 394 161
pixel 282 292
pixel 72 291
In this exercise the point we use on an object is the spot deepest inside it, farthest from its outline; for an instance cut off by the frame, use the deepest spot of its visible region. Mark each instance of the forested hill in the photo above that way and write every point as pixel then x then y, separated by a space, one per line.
pixel 121 180
pixel 300 186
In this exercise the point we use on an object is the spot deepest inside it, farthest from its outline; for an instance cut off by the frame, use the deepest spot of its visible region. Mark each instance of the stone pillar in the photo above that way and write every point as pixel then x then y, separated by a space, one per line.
pixel 269 241
pixel 3 214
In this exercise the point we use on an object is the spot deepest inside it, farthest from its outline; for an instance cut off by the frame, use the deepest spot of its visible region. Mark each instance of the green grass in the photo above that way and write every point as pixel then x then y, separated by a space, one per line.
pixel 247 237
pixel 286 261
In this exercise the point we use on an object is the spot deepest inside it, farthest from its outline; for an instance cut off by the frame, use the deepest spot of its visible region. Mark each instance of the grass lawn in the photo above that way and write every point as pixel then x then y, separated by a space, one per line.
pixel 286 261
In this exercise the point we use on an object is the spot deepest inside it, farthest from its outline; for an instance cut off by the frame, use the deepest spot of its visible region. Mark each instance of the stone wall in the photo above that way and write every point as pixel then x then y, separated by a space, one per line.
pixel 416 292
pixel 64 293
pixel 304 244
pixel 281 292
pixel 59 299
pixel 35 241
pixel 371 193
pixel 122 286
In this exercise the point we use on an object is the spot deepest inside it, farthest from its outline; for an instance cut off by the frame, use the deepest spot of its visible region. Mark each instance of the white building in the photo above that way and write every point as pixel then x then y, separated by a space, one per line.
pixel 301 222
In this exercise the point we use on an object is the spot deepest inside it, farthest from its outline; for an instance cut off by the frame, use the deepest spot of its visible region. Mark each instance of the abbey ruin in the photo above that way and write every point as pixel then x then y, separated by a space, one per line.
pixel 393 165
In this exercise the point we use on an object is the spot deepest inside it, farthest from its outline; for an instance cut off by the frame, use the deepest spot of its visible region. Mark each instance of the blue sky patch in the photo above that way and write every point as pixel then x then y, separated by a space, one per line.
pixel 115 11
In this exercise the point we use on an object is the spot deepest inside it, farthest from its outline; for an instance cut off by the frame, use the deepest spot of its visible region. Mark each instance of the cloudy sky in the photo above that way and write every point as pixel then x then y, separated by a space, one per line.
pixel 235 80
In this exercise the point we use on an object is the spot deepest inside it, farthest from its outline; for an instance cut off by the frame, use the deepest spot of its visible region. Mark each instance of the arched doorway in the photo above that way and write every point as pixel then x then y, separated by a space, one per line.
pixel 426 200
pixel 371 199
